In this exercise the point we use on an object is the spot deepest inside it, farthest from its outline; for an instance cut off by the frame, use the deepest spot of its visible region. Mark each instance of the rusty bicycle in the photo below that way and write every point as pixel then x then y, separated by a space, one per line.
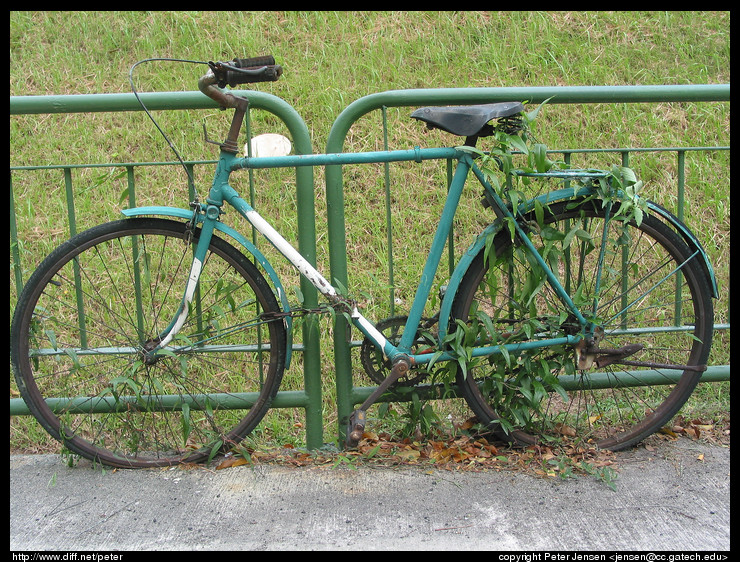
pixel 162 338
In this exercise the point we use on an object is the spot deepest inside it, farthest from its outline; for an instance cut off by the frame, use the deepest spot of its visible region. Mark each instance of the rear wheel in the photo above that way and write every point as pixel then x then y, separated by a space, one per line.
pixel 92 309
pixel 650 299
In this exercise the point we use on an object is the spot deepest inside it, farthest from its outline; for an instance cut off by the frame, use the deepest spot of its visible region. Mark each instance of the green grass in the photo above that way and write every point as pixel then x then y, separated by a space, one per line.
pixel 333 58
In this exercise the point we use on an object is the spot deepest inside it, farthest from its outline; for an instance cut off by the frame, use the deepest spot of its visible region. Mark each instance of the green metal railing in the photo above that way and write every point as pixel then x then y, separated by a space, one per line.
pixel 310 398
pixel 347 394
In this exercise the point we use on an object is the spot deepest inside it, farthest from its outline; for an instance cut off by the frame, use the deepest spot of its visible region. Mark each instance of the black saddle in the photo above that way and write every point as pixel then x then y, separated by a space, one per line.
pixel 466 120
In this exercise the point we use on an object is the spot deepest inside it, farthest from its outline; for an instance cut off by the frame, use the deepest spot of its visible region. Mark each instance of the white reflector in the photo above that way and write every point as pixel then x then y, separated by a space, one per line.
pixel 269 144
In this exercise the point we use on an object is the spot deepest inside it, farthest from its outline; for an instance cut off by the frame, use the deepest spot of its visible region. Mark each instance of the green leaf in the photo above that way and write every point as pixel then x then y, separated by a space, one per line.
pixel 539 212
pixel 471 149
pixel 215 449
pixel 514 198
pixel 341 289
pixel 52 338
pixel 628 175
pixel 541 161
pixel 76 364
pixel 518 143
pixel 505 355
pixel 575 232
pixel 638 215
pixel 532 115
pixel 185 422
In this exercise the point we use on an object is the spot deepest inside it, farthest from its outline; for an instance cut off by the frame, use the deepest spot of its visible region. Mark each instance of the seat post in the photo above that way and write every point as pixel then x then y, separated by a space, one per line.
pixel 471 140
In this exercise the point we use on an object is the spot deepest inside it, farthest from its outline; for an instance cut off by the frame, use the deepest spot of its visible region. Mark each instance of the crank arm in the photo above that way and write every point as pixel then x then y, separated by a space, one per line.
pixel 357 419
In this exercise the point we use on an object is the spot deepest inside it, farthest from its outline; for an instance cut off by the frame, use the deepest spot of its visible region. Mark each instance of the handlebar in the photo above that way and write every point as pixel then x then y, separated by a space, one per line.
pixel 237 71
pixel 246 71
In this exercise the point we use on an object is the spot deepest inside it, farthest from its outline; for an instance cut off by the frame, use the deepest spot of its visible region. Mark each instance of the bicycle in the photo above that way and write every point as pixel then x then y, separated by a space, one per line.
pixel 162 338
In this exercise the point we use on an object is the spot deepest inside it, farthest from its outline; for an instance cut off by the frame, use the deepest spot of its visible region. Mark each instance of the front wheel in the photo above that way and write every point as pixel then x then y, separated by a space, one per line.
pixel 648 297
pixel 93 309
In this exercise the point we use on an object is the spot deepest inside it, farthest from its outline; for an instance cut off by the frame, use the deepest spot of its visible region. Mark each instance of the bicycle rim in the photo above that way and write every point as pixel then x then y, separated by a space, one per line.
pixel 99 300
pixel 652 297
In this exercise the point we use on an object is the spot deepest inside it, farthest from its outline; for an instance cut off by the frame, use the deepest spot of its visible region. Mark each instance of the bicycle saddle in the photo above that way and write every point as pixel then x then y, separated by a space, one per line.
pixel 466 120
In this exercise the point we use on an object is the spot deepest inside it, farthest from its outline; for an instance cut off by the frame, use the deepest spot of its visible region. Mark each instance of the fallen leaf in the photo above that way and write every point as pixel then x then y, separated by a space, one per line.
pixel 231 462
pixel 409 454
pixel 565 430
pixel 668 431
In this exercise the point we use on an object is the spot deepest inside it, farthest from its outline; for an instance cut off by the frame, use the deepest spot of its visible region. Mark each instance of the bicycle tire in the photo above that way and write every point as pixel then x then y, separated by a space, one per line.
pixel 608 409
pixel 98 300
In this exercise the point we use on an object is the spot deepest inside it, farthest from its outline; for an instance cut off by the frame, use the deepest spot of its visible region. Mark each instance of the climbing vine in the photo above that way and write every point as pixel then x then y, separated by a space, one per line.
pixel 518 383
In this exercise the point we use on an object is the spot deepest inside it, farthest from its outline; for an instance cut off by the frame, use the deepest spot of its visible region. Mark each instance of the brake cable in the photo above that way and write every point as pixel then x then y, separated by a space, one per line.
pixel 195 203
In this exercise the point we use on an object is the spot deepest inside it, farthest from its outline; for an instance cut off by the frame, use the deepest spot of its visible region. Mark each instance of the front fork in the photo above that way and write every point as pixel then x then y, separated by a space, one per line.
pixel 212 212
pixel 151 348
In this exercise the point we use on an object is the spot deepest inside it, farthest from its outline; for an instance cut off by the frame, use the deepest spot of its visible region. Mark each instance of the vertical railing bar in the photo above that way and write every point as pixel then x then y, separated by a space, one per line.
pixel 255 237
pixel 566 184
pixel 69 194
pixel 197 296
pixel 131 186
pixel 14 249
pixel 681 165
pixel 388 216
pixel 70 201
pixel 625 261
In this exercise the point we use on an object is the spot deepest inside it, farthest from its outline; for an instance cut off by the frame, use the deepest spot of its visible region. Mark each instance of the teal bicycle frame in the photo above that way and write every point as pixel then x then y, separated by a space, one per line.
pixel 221 192
pixel 399 355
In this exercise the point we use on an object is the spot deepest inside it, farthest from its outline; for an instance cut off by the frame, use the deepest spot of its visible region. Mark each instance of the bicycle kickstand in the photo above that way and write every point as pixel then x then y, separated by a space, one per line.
pixel 357 420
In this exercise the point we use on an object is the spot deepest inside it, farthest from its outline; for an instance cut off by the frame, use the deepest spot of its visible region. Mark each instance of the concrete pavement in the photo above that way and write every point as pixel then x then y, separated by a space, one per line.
pixel 674 497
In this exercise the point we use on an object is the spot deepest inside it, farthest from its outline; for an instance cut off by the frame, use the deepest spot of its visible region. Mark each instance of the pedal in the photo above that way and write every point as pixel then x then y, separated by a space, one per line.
pixel 355 427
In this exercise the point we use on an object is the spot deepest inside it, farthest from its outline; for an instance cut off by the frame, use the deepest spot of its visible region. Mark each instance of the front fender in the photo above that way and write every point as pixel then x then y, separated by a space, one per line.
pixel 552 197
pixel 244 242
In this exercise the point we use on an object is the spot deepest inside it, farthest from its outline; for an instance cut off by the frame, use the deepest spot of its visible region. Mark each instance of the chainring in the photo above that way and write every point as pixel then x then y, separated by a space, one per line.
pixel 378 367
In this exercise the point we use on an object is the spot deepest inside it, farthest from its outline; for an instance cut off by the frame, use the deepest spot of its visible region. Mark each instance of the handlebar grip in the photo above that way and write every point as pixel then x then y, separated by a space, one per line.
pixel 270 74
pixel 267 60
pixel 263 69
